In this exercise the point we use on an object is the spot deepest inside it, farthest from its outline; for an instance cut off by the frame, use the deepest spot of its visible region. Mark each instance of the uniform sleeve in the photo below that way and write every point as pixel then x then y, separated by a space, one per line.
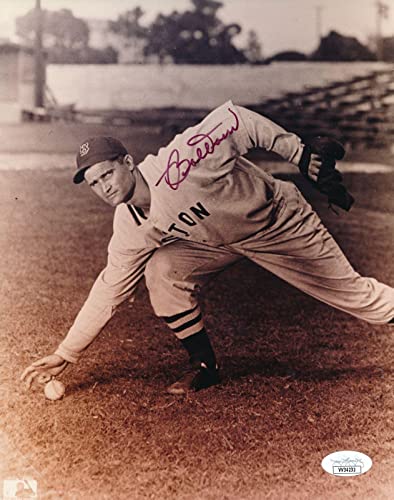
pixel 117 282
pixel 266 134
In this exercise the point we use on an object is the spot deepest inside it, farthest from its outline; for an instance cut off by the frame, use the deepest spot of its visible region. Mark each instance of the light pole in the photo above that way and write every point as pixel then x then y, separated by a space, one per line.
pixel 39 68
pixel 319 10
pixel 382 12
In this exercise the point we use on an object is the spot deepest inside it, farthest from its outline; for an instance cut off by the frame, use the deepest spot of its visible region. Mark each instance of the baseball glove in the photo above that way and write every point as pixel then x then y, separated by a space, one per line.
pixel 329 180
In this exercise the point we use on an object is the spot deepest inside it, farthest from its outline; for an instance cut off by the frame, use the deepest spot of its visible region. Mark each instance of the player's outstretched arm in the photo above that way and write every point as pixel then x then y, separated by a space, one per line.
pixel 44 369
pixel 316 160
pixel 265 134
pixel 115 283
pixel 268 135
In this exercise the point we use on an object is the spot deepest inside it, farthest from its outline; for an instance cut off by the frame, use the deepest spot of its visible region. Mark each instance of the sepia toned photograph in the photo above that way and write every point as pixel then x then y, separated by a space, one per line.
pixel 196 231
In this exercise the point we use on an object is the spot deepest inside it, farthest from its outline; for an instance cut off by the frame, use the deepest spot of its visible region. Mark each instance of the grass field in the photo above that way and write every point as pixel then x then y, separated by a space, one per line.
pixel 300 380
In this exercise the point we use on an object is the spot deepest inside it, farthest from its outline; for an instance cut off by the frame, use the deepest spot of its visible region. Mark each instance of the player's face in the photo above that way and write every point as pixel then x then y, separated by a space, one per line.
pixel 112 181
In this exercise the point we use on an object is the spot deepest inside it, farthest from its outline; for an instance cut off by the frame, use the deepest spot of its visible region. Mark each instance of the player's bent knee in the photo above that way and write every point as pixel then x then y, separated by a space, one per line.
pixel 168 293
pixel 160 271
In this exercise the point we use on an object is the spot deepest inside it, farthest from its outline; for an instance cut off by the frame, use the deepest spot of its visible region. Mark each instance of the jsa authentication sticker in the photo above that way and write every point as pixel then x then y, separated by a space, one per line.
pixel 346 463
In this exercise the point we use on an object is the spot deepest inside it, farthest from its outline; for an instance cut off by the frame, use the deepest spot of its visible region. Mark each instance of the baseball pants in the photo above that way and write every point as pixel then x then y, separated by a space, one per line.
pixel 296 247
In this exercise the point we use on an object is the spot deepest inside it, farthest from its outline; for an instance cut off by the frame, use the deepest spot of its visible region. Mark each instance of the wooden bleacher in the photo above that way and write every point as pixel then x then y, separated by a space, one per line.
pixel 358 111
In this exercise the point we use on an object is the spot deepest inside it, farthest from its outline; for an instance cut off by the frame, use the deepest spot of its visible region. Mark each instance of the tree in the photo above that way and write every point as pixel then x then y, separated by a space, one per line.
pixel 288 55
pixel 65 38
pixel 195 36
pixel 128 24
pixel 61 29
pixel 336 47
pixel 388 49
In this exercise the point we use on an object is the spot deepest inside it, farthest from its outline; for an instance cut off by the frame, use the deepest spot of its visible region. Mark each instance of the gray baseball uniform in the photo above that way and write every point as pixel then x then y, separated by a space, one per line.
pixel 210 207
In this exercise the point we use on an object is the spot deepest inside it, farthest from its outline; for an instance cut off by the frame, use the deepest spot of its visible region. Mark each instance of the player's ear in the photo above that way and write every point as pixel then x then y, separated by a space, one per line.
pixel 129 161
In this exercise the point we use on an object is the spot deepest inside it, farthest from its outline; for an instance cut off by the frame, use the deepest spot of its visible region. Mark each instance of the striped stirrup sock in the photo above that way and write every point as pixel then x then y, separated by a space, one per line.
pixel 189 328
pixel 185 323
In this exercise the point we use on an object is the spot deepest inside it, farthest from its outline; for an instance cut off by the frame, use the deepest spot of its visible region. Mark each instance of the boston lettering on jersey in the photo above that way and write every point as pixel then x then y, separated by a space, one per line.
pixel 191 218
pixel 188 218
pixel 178 168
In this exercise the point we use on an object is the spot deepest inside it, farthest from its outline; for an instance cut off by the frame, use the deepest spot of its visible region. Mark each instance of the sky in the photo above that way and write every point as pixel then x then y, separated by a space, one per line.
pixel 280 24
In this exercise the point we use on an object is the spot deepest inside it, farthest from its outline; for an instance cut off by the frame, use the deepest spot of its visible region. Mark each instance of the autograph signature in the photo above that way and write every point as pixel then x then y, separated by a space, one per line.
pixel 178 169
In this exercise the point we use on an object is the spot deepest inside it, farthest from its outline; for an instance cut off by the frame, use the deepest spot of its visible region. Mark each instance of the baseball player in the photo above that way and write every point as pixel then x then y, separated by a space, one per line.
pixel 198 206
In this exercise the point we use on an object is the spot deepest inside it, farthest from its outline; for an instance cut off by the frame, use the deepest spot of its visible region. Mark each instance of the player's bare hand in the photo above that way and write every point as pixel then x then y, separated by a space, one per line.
pixel 43 369
pixel 314 167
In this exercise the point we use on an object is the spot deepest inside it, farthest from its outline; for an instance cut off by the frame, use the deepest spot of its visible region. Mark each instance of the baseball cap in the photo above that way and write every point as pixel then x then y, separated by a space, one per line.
pixel 95 150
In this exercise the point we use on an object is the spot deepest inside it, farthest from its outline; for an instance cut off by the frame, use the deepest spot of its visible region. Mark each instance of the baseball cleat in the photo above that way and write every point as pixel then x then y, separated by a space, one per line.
pixel 196 379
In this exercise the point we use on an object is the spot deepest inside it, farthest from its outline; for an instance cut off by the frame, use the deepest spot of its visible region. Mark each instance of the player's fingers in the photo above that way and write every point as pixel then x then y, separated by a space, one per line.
pixel 56 370
pixel 316 163
pixel 43 378
pixel 314 169
pixel 36 366
pixel 313 172
pixel 315 157
pixel 26 372
pixel 29 379
pixel 40 362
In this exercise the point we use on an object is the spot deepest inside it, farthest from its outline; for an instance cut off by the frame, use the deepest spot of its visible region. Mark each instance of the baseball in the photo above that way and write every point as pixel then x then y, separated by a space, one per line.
pixel 54 390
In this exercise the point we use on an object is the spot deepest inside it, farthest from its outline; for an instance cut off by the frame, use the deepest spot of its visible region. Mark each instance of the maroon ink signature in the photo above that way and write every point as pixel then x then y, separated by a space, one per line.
pixel 178 169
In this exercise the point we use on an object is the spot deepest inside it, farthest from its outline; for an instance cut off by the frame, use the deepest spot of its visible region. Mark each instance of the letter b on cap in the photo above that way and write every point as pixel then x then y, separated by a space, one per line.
pixel 84 149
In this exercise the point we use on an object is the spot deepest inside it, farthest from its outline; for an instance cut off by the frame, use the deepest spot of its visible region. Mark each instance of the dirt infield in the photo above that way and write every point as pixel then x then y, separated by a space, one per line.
pixel 300 379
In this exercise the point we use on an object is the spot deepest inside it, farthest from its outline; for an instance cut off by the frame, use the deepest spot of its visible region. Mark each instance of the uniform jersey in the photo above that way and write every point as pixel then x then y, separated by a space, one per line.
pixel 202 189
